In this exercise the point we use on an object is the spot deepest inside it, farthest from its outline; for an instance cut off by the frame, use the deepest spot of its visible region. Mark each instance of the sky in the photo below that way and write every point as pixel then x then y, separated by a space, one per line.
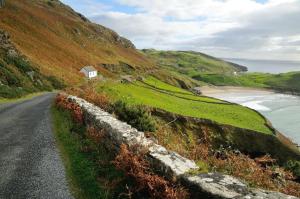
pixel 250 29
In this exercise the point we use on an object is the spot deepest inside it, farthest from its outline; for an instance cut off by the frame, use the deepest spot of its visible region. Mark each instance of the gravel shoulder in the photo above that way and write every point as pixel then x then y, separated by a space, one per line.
pixel 30 164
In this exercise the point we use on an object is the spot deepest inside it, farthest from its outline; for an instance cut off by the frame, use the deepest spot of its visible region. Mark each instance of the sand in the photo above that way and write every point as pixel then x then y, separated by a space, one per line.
pixel 210 90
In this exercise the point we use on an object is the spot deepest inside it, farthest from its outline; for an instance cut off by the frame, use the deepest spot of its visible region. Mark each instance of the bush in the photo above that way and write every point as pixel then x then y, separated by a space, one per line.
pixel 11 92
pixel 294 166
pixel 89 94
pixel 57 84
pixel 8 77
pixel 20 63
pixel 137 116
pixel 135 167
pixel 61 101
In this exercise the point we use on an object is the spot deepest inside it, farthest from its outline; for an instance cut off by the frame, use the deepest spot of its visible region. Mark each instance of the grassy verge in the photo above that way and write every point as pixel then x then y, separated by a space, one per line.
pixel 160 95
pixel 88 166
pixel 26 97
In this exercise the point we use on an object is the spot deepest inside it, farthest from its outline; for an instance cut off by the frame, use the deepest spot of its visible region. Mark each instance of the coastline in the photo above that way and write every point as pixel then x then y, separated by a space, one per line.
pixel 207 90
pixel 212 91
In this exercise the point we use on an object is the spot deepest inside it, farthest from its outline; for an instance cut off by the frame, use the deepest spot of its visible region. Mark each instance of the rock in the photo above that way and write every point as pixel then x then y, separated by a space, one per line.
pixel 12 53
pixel 6 44
pixel 31 75
pixel 217 185
pixel 39 82
pixel 126 79
pixel 140 78
pixel 197 90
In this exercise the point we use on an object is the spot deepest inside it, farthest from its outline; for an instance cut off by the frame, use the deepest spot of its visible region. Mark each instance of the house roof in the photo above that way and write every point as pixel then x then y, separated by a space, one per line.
pixel 89 68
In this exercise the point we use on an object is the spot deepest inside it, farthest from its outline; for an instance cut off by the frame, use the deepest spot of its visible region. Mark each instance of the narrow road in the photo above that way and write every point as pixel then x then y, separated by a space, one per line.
pixel 30 165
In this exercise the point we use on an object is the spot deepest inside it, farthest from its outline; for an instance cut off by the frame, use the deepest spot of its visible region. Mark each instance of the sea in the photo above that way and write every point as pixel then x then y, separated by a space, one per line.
pixel 268 66
pixel 281 109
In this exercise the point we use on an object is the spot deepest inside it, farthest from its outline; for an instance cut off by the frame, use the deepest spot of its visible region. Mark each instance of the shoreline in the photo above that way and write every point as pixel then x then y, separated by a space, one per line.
pixel 212 91
pixel 206 90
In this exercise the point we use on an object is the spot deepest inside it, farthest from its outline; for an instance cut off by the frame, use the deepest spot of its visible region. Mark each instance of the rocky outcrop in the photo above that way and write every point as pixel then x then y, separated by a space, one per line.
pixel 6 44
pixel 169 163
pixel 111 36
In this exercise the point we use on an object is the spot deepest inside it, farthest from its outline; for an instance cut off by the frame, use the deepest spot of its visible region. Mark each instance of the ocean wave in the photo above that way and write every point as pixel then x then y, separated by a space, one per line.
pixel 256 105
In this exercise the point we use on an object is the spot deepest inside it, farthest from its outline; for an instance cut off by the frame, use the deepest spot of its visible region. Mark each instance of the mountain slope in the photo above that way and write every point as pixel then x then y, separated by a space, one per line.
pixel 192 63
pixel 60 41
pixel 18 76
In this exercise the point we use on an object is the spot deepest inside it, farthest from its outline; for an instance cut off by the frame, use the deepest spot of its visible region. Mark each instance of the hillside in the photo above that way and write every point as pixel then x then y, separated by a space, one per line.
pixel 58 41
pixel 210 70
pixel 285 82
pixel 192 63
pixel 18 76
pixel 175 100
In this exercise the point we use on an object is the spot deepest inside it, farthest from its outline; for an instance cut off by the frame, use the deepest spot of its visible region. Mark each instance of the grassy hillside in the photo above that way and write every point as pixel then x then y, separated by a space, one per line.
pixel 192 63
pixel 18 76
pixel 60 41
pixel 285 82
pixel 207 69
pixel 154 93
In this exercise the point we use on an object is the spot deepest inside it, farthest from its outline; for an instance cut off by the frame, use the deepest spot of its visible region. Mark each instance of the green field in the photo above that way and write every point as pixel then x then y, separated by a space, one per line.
pixel 191 63
pixel 210 70
pixel 282 82
pixel 155 93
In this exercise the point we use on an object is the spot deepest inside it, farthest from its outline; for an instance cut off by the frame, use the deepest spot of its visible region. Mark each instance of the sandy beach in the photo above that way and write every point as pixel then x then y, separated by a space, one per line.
pixel 283 110
pixel 210 90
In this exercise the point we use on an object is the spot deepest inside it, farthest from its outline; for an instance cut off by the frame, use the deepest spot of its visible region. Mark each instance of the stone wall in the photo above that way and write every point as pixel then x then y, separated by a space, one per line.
pixel 277 145
pixel 169 163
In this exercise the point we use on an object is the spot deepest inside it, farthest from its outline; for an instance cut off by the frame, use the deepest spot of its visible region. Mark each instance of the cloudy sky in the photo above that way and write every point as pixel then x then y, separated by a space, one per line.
pixel 255 29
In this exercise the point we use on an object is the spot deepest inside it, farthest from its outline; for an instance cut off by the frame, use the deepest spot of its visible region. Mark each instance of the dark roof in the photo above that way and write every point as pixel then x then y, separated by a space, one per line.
pixel 89 68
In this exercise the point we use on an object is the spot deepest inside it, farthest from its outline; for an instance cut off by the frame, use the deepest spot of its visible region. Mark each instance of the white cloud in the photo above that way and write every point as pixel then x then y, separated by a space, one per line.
pixel 224 28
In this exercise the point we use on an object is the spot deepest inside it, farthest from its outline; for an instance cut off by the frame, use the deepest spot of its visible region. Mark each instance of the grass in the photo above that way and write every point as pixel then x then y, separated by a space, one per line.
pixel 207 69
pixel 281 82
pixel 26 97
pixel 190 63
pixel 90 173
pixel 179 101
pixel 67 42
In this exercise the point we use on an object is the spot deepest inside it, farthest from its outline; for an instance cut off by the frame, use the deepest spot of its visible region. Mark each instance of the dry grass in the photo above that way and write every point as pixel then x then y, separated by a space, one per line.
pixel 62 101
pixel 89 93
pixel 47 36
pixel 260 172
pixel 138 169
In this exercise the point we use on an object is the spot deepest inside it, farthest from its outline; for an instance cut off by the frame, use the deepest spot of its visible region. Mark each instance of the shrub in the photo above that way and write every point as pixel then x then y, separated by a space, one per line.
pixel 11 92
pixel 234 163
pixel 20 63
pixel 89 94
pixel 8 77
pixel 294 166
pixel 137 116
pixel 57 84
pixel 137 168
pixel 61 101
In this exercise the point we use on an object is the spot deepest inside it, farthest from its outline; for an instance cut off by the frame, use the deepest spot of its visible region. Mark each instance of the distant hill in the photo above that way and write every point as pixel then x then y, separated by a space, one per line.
pixel 59 41
pixel 192 63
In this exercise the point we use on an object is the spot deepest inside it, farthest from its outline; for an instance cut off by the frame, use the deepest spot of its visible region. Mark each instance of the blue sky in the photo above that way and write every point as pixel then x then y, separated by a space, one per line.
pixel 257 29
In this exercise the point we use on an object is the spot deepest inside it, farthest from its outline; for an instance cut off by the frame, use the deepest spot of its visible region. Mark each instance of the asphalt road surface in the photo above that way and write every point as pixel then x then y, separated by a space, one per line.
pixel 30 165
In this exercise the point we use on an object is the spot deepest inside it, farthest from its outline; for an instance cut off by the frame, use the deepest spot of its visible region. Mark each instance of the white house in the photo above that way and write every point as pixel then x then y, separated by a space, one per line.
pixel 89 71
